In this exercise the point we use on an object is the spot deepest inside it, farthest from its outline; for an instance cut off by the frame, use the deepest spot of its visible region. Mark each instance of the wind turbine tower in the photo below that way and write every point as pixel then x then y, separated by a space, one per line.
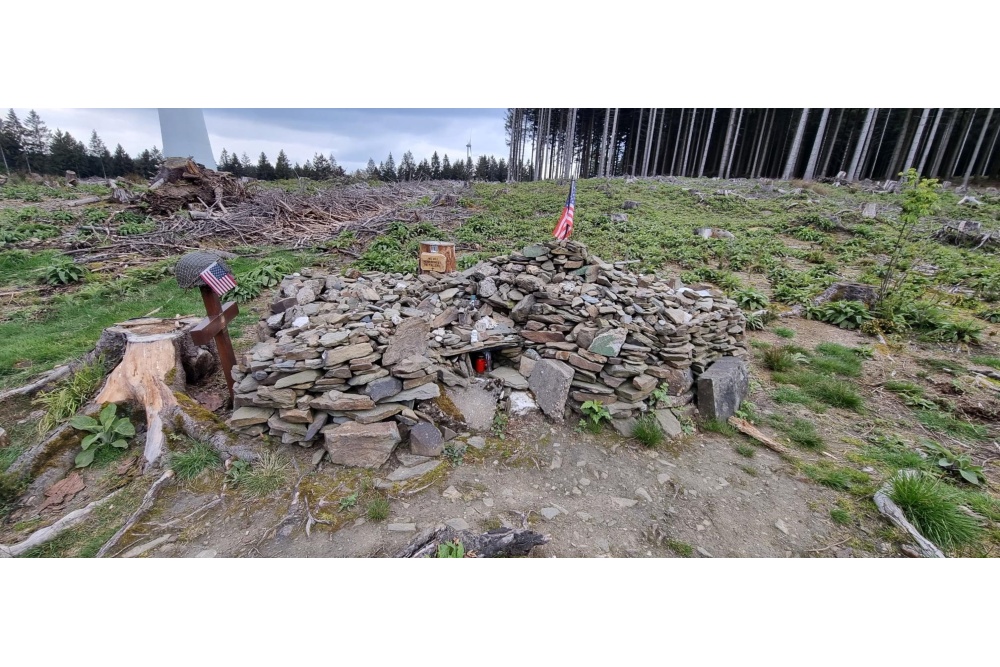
pixel 185 135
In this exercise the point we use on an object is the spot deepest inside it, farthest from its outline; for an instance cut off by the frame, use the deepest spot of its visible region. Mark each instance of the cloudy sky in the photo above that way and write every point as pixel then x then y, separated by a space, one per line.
pixel 352 135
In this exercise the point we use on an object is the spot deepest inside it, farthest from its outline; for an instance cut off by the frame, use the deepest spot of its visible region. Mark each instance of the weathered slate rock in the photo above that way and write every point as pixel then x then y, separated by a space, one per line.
pixel 296 415
pixel 521 311
pixel 550 382
pixel 336 400
pixel 511 378
pixel 544 336
pixel 361 445
pixel 382 388
pixel 722 388
pixel 426 440
pixel 403 473
pixel 410 339
pixel 376 414
pixel 411 365
pixel 668 422
pixel 422 393
pixel 339 355
pixel 275 398
pixel 305 377
pixel 608 343
pixel 248 416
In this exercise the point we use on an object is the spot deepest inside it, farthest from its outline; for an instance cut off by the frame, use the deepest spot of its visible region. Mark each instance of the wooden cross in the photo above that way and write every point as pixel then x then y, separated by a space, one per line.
pixel 214 326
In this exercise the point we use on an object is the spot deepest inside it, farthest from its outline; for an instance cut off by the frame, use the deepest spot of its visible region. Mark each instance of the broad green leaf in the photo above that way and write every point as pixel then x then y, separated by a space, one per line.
pixel 120 444
pixel 124 427
pixel 969 476
pixel 89 440
pixel 944 463
pixel 84 423
pixel 108 414
pixel 85 458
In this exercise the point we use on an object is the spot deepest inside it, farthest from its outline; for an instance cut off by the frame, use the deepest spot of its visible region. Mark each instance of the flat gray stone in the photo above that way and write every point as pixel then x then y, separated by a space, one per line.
pixel 361 445
pixel 248 416
pixel 382 388
pixel 401 527
pixel 457 524
pixel 207 553
pixel 334 338
pixel 424 392
pixel 608 343
pixel 623 502
pixel 549 512
pixel 426 440
pixel 722 388
pixel 477 406
pixel 409 339
pixel 476 442
pixel 339 355
pixel 521 403
pixel 550 383
pixel 305 377
pixel 403 473
pixel 644 494
pixel 623 426
pixel 376 414
pixel 668 422
pixel 511 378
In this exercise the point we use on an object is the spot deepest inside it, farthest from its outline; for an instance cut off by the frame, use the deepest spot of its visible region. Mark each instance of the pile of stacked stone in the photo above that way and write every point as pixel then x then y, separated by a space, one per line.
pixel 349 358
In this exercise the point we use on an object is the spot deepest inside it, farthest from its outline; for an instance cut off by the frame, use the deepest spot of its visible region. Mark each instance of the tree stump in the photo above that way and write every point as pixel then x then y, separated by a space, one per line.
pixel 181 182
pixel 437 257
pixel 159 359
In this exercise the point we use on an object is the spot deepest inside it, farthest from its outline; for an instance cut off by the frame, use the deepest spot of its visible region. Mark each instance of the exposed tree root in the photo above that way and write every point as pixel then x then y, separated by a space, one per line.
pixel 43 535
pixel 502 542
pixel 144 506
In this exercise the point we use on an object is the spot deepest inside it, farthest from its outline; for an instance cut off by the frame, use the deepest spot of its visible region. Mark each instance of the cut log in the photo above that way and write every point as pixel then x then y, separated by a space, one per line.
pixel 83 202
pixel 745 427
pixel 502 542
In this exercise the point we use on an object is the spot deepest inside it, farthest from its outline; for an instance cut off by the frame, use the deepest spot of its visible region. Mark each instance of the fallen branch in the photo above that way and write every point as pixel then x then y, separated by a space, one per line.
pixel 83 202
pixel 892 512
pixel 745 427
pixel 502 542
pixel 144 506
pixel 43 535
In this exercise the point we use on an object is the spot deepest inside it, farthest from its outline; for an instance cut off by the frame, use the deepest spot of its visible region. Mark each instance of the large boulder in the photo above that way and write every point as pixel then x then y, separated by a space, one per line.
pixel 550 383
pixel 361 445
pixel 722 388
pixel 426 440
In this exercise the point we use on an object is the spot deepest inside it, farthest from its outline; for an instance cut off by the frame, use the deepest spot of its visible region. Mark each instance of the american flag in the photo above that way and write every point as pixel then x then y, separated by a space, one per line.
pixel 218 278
pixel 565 225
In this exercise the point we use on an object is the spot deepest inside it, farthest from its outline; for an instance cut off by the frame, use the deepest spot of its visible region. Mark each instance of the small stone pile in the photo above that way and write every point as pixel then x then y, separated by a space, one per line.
pixel 350 357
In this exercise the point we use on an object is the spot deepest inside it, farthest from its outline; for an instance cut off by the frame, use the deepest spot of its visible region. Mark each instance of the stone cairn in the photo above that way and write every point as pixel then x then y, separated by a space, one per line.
pixel 348 358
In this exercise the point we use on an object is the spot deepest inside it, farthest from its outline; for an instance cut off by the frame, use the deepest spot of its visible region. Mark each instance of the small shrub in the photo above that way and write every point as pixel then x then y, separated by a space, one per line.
pixel 784 332
pixel 750 299
pixel 779 359
pixel 189 464
pixel 63 273
pixel 106 430
pixel 844 314
pixel 960 464
pixel 264 477
pixel 245 291
pixel 933 508
pixel 453 549
pixel 648 431
pixel 455 453
pixel 596 413
pixel 348 502
pixel 378 509
pixel 267 275
pixel 958 331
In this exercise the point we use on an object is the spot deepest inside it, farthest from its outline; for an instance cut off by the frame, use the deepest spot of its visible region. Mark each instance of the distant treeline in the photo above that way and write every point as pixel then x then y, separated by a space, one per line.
pixel 29 145
pixel 742 143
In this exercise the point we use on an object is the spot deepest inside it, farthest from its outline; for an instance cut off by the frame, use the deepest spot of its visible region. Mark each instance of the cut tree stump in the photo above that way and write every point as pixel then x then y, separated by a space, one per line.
pixel 158 354
pixel 969 234
pixel 181 182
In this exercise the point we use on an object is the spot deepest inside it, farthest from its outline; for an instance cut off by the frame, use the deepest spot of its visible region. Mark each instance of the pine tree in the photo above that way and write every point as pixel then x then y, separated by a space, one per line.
pixel 224 160
pixel 63 153
pixel 483 168
pixel 502 170
pixel 282 170
pixel 321 167
pixel 35 141
pixel 98 157
pixel 446 170
pixel 121 163
pixel 435 166
pixel 407 167
pixel 336 171
pixel 11 137
pixel 388 170
pixel 144 164
pixel 265 171
pixel 423 170
pixel 371 170
pixel 156 156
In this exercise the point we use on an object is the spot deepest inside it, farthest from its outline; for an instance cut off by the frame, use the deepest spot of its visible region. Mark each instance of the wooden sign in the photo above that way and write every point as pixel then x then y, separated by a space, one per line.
pixel 437 256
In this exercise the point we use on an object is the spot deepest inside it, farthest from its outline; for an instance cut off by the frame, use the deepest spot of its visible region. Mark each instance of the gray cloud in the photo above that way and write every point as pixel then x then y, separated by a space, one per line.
pixel 352 135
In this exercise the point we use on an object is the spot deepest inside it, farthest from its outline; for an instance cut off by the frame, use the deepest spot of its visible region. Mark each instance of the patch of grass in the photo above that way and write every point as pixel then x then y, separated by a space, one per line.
pixel 9 454
pixel 750 470
pixel 784 332
pixel 190 463
pixel 903 387
pixel 837 477
pixel 377 509
pixel 834 392
pixel 992 362
pixel 841 516
pixel 778 359
pixel 933 508
pixel 64 401
pixel 648 431
pixel 265 476
pixel 719 426
pixel 745 450
pixel 836 359
pixel 802 433
pixel 788 394
pixel 682 549
pixel 891 451
pixel 942 422
pixel 942 365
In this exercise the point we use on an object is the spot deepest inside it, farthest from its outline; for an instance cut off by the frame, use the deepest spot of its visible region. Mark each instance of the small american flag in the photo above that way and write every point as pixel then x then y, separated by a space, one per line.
pixel 218 278
pixel 565 225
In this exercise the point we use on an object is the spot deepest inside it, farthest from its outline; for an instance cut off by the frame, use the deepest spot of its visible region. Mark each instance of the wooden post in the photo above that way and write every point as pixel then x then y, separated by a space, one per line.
pixel 437 256
pixel 214 326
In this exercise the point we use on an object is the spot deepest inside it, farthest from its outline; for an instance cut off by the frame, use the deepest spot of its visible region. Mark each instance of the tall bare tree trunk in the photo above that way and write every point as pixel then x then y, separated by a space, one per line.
pixel 793 154
pixel 602 159
pixel 881 138
pixel 852 172
pixel 943 148
pixel 868 144
pixel 650 126
pixel 659 143
pixel 832 144
pixel 635 143
pixel 570 144
pixel 918 135
pixel 687 142
pixel 975 151
pixel 989 153
pixel 736 139
pixel 614 145
pixel 961 144
pixel 930 141
pixel 724 160
pixel 677 144
pixel 817 144
pixel 708 144
pixel 762 143
pixel 898 151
